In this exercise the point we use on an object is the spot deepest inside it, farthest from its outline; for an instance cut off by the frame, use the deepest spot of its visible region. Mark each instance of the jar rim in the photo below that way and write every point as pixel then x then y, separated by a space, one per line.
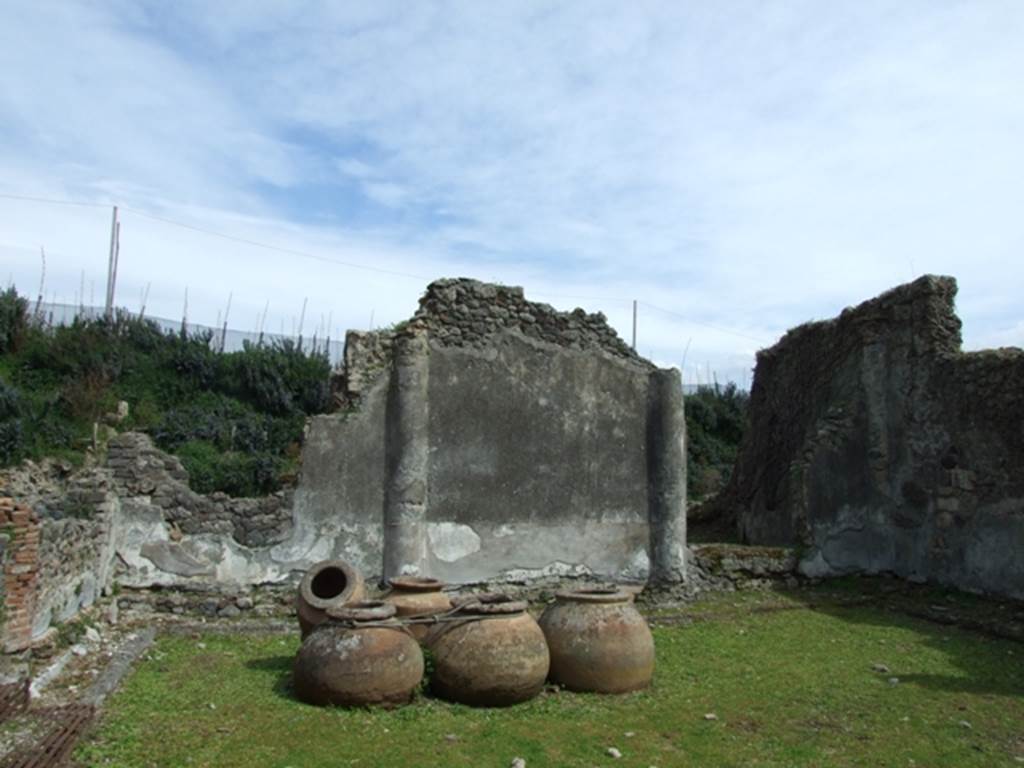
pixel 595 595
pixel 416 584
pixel 365 610
pixel 342 579
pixel 490 604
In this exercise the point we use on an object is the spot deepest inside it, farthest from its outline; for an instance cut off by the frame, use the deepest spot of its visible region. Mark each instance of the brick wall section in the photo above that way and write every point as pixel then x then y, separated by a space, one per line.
pixel 21 573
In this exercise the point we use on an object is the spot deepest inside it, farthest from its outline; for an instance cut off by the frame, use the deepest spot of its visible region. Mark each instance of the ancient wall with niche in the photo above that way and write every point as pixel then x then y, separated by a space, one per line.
pixel 877 445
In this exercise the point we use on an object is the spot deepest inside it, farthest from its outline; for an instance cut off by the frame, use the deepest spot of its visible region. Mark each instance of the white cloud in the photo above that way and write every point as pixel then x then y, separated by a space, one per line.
pixel 749 166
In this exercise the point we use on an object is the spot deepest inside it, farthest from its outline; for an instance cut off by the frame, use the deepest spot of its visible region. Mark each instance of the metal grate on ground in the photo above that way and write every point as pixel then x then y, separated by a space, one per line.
pixel 13 698
pixel 66 724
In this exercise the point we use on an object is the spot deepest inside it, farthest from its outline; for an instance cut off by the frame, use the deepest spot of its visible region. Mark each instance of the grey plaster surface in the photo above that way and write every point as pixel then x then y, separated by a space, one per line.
pixel 538 459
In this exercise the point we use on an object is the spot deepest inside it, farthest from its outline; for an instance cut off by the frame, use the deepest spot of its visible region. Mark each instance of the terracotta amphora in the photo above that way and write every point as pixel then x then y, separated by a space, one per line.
pixel 418 598
pixel 491 653
pixel 599 642
pixel 328 584
pixel 361 655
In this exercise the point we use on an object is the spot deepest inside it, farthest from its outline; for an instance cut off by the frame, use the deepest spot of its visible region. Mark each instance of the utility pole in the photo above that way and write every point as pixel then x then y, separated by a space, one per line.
pixel 184 317
pixel 115 231
pixel 302 319
pixel 42 281
pixel 224 331
pixel 145 298
pixel 634 325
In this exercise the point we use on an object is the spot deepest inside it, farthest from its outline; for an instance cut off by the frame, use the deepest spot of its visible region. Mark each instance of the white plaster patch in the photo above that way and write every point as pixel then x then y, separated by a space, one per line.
pixel 815 567
pixel 452 541
pixel 639 565
pixel 557 568
pixel 504 530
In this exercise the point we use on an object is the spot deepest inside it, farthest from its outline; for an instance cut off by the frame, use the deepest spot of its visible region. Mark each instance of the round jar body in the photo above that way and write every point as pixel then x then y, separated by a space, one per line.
pixel 490 660
pixel 353 666
pixel 599 642
pixel 328 584
pixel 418 597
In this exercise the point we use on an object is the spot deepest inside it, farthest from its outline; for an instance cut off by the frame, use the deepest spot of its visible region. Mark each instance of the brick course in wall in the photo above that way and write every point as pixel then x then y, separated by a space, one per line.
pixel 21 573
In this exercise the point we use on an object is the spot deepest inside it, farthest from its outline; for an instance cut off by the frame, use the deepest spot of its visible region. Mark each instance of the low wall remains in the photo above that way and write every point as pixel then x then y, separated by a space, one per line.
pixel 877 445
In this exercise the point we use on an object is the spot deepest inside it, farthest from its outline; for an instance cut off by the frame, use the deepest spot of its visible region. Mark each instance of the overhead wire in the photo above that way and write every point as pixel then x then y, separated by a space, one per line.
pixel 53 201
pixel 277 248
pixel 703 324
pixel 354 265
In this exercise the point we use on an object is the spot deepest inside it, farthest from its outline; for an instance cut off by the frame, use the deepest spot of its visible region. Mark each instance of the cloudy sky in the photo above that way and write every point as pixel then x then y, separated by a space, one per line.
pixel 737 167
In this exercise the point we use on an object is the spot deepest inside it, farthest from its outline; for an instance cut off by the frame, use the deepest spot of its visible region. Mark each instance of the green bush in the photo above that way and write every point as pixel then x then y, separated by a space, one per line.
pixel 10 401
pixel 13 320
pixel 235 419
pixel 278 379
pixel 234 473
pixel 12 440
pixel 716 420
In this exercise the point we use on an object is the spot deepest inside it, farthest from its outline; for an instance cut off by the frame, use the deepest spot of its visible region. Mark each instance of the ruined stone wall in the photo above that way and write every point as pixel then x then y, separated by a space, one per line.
pixel 140 470
pixel 461 313
pixel 488 437
pixel 76 553
pixel 64 542
pixel 74 569
pixel 877 445
pixel 134 518
pixel 495 437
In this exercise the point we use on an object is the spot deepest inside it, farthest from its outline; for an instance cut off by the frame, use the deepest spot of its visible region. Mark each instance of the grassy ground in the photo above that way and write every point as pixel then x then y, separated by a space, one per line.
pixel 789 687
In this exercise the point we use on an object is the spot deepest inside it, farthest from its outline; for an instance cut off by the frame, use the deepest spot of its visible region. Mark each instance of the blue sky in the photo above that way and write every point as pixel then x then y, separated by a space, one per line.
pixel 747 165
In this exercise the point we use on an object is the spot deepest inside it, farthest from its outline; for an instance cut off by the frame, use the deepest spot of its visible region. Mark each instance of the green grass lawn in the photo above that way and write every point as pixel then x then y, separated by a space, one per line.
pixel 787 688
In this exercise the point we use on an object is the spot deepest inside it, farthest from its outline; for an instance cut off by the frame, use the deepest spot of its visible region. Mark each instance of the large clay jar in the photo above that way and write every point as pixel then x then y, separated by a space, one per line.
pixel 361 655
pixel 491 654
pixel 599 642
pixel 328 584
pixel 417 598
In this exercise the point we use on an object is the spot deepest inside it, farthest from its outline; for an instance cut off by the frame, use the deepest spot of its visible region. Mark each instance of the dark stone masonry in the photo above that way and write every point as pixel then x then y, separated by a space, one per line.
pixel 877 445
pixel 139 469
pixel 459 312
pixel 462 312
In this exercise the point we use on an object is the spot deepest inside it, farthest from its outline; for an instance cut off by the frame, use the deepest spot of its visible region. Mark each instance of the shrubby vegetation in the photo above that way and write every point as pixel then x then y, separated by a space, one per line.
pixel 716 420
pixel 235 420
